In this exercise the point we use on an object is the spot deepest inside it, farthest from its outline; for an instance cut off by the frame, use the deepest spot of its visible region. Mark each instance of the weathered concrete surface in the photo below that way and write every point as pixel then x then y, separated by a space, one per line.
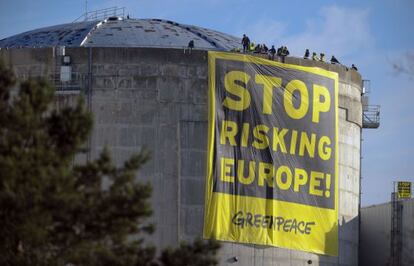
pixel 376 234
pixel 157 99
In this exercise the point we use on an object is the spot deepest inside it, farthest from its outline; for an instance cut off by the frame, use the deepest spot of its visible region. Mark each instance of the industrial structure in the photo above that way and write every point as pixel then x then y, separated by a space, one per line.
pixel 387 233
pixel 146 90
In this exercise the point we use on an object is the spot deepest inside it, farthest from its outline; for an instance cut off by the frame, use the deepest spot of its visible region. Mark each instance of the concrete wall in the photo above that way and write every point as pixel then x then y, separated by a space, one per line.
pixel 376 234
pixel 157 98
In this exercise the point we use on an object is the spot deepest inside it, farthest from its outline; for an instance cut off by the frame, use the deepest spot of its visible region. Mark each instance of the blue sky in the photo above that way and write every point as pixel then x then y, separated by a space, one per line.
pixel 376 35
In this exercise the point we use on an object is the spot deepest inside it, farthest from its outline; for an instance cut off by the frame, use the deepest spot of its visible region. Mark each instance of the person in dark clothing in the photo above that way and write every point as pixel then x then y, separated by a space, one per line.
pixel 354 67
pixel 264 48
pixel 246 43
pixel 258 48
pixel 322 58
pixel 272 52
pixel 306 56
pixel 334 60
pixel 191 45
pixel 279 51
pixel 285 51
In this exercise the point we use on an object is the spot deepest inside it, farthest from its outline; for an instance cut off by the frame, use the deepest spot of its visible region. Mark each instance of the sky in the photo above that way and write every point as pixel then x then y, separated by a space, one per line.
pixel 375 35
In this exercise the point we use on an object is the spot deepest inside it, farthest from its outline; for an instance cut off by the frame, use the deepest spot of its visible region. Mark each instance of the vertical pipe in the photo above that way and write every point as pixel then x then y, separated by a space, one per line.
pixel 86 10
pixel 360 193
pixel 178 203
pixel 89 100
pixel 360 173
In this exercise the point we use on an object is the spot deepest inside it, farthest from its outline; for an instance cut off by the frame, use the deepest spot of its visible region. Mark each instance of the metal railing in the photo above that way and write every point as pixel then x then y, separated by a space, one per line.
pixel 102 14
pixel 371 116
pixel 366 86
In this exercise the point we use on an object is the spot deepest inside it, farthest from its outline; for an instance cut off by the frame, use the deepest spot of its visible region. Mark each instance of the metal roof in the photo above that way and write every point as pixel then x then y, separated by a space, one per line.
pixel 121 32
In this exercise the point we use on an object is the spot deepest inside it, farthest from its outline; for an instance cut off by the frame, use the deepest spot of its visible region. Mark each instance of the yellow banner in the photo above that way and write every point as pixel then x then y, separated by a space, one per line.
pixel 404 190
pixel 272 166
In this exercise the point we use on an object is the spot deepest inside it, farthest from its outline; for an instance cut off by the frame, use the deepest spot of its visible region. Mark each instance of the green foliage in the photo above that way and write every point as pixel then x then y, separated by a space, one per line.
pixel 55 212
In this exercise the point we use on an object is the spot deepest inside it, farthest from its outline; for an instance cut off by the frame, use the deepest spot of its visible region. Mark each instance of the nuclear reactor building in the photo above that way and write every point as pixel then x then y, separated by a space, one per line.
pixel 147 90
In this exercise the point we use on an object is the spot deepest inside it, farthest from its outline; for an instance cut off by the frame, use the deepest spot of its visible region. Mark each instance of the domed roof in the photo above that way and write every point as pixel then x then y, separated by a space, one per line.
pixel 121 32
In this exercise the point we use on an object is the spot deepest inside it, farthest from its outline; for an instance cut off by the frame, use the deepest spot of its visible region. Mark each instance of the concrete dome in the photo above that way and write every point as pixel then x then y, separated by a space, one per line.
pixel 121 32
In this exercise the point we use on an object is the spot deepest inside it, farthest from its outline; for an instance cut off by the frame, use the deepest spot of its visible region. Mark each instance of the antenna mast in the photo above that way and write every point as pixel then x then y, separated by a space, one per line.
pixel 86 9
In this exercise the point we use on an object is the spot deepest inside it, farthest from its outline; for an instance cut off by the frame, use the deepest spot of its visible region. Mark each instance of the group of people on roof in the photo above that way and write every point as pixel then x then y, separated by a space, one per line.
pixel 282 52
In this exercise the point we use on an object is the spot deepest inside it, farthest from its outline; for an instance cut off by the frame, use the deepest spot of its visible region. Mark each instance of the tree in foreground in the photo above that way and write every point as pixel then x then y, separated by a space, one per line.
pixel 55 212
